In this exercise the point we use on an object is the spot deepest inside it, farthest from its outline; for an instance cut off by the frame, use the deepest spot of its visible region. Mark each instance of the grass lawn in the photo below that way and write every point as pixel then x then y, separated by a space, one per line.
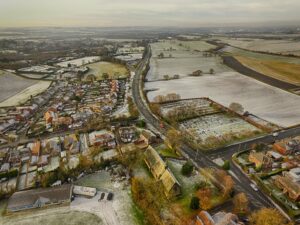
pixel 164 151
pixel 114 70
pixel 288 72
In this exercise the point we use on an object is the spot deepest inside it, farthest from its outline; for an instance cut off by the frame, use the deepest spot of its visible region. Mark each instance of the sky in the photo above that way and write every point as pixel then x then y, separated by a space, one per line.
pixel 118 13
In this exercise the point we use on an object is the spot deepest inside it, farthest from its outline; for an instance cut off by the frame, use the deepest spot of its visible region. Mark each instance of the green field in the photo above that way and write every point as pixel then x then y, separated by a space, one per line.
pixel 113 70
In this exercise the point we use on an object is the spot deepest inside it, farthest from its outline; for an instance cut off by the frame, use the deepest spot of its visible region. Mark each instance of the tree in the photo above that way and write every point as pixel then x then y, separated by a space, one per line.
pixel 141 123
pixel 240 202
pixel 166 77
pixel 268 216
pixel 155 108
pixel 187 168
pixel 105 76
pixel 176 76
pixel 173 139
pixel 194 204
pixel 211 71
pixel 228 185
pixel 226 165
pixel 236 107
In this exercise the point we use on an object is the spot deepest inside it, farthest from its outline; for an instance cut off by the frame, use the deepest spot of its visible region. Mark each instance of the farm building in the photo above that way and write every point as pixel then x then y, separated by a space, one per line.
pixel 160 172
pixel 39 198
pixel 154 162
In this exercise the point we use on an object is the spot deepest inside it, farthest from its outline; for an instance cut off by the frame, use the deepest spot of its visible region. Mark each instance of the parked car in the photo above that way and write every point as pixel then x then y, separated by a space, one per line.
pixel 110 196
pixel 254 187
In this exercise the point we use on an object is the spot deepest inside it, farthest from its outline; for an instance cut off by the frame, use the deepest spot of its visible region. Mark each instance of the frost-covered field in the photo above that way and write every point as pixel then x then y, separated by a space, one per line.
pixel 60 215
pixel 80 61
pixel 24 94
pixel 182 58
pixel 267 102
pixel 11 84
pixel 275 46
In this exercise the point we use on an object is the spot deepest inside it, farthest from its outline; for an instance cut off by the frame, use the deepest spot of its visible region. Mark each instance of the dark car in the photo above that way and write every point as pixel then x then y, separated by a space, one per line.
pixel 110 196
pixel 101 196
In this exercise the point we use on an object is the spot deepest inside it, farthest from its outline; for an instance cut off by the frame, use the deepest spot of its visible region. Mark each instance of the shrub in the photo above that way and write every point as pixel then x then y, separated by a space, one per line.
pixel 226 165
pixel 194 203
pixel 187 169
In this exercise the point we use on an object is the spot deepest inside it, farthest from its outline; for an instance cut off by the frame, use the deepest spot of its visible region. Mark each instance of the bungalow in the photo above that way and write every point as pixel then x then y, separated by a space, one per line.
pixel 102 138
pixel 220 218
pixel 72 144
pixel 39 198
pixel 289 187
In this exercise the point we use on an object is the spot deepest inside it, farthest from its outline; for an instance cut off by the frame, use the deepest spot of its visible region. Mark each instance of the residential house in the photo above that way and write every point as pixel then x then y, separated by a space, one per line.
pixel 220 218
pixel 260 159
pixel 72 144
pixel 289 186
pixel 287 147
pixel 39 198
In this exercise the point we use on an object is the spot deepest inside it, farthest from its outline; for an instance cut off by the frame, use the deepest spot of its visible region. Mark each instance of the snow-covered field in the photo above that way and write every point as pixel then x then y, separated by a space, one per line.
pixel 267 102
pixel 52 216
pixel 275 46
pixel 182 58
pixel 80 61
pixel 11 84
pixel 24 94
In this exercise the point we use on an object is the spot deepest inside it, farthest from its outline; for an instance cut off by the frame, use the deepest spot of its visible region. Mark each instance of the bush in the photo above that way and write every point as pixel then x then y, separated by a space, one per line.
pixel 226 165
pixel 187 169
pixel 9 174
pixel 194 203
pixel 141 123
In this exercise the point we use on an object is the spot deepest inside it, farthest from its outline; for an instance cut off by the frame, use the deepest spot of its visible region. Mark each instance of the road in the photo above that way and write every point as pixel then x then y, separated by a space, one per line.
pixel 257 199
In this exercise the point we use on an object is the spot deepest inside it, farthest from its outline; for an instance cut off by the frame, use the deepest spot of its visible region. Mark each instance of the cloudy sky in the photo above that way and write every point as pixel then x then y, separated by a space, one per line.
pixel 102 13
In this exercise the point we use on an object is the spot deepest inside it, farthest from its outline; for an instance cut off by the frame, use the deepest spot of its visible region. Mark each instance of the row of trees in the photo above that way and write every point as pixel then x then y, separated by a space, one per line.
pixel 166 98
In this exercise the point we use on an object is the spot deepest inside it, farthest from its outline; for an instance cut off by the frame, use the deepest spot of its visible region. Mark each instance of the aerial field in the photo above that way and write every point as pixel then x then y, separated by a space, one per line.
pixel 285 47
pixel 272 104
pixel 181 58
pixel 288 72
pixel 14 90
pixel 60 215
pixel 279 67
pixel 80 61
pixel 25 94
pixel 114 70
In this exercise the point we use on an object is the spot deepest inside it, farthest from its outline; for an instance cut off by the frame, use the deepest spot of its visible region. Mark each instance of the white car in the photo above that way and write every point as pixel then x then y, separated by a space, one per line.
pixel 254 187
